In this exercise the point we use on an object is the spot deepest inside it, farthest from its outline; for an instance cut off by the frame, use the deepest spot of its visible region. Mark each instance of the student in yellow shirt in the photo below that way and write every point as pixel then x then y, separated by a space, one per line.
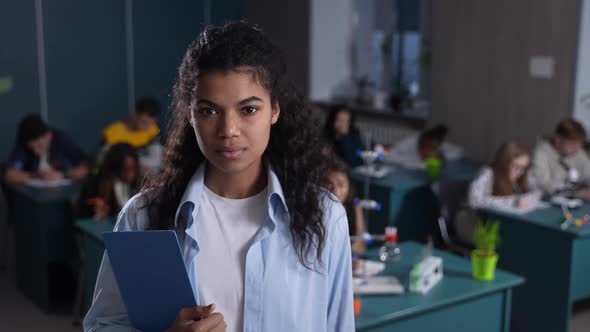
pixel 139 130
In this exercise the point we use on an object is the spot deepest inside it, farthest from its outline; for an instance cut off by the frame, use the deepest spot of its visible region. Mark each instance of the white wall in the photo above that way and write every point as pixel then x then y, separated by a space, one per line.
pixel 330 36
pixel 582 89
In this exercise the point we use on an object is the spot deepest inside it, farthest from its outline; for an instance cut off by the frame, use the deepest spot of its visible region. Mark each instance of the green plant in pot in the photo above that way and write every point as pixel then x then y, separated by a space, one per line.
pixel 486 237
pixel 433 165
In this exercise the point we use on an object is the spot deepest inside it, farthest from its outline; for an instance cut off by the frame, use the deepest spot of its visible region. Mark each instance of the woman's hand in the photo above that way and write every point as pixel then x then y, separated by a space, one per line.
pixel 522 203
pixel 198 319
pixel 101 210
pixel 52 175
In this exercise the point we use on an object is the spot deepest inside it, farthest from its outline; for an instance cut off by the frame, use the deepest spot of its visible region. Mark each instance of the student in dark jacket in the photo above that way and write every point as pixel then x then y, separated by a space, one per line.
pixel 44 153
pixel 345 139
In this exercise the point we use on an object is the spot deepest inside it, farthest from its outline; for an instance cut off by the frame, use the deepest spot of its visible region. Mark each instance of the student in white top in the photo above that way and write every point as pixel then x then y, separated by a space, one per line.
pixel 505 185
pixel 561 163
pixel 264 246
pixel 412 151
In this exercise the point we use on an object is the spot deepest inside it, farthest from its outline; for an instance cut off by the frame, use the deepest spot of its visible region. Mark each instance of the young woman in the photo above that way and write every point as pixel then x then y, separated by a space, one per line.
pixel 505 185
pixel 265 247
pixel 117 181
pixel 338 181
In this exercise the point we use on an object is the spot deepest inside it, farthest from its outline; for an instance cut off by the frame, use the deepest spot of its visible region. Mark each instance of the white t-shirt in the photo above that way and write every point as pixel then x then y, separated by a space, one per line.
pixel 405 153
pixel 44 164
pixel 226 228
pixel 122 192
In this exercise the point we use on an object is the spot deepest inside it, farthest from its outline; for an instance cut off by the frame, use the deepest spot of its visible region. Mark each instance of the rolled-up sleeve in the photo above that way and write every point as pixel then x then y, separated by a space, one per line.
pixel 340 300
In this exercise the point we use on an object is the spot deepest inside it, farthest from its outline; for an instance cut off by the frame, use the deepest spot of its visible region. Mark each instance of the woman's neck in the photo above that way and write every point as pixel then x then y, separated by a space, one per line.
pixel 243 184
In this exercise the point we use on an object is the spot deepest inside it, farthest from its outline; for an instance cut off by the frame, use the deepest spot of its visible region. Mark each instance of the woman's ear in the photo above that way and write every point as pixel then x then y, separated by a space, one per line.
pixel 276 111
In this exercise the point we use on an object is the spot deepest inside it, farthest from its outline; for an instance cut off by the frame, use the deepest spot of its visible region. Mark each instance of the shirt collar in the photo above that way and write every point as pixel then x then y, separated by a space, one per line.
pixel 277 207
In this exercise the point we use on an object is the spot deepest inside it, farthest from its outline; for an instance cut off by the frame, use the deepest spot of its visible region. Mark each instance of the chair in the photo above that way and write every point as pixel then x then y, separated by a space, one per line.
pixel 451 196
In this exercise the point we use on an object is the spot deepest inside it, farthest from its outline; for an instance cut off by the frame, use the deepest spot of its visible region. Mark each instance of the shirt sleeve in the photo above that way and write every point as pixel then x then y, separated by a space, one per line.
pixel 585 162
pixel 17 159
pixel 480 193
pixel 340 303
pixel 405 153
pixel 541 172
pixel 72 152
pixel 108 312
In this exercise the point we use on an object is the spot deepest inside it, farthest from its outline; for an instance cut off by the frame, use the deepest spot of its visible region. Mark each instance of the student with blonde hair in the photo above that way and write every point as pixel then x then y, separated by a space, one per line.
pixel 505 185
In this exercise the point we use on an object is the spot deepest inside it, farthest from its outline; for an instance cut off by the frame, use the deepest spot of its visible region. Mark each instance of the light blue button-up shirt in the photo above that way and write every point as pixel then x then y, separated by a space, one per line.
pixel 280 294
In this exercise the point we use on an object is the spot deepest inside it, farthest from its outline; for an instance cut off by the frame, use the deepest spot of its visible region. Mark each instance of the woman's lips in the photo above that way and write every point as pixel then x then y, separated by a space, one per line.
pixel 232 154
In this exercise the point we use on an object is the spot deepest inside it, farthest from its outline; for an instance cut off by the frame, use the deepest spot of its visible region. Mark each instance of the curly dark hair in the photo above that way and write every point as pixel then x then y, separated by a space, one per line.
pixel 293 150
pixel 335 165
pixel 111 169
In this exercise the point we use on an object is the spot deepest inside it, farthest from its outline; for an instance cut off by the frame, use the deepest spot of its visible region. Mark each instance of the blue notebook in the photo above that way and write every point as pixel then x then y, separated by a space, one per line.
pixel 151 275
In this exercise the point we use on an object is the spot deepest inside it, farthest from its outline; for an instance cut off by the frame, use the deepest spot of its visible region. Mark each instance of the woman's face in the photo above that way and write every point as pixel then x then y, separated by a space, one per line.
pixel 518 166
pixel 342 122
pixel 129 170
pixel 340 185
pixel 567 147
pixel 40 146
pixel 232 115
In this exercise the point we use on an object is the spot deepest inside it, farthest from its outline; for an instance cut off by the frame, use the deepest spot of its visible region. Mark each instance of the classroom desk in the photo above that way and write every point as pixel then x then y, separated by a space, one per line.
pixel 92 250
pixel 406 196
pixel 552 260
pixel 457 303
pixel 44 235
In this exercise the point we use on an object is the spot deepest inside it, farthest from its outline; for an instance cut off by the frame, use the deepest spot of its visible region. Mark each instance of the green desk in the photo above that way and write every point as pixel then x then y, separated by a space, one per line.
pixel 552 260
pixel 44 235
pixel 457 303
pixel 92 250
pixel 406 196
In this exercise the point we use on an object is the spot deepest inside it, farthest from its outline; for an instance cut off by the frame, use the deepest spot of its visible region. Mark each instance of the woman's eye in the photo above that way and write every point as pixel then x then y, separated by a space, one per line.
pixel 249 109
pixel 206 111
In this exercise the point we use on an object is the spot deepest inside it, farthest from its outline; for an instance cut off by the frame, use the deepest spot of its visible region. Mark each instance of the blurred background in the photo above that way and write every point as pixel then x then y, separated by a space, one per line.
pixel 491 71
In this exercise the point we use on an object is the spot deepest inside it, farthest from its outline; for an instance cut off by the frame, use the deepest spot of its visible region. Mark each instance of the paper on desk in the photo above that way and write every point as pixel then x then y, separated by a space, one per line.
pixel 37 183
pixel 369 268
pixel 373 170
pixel 381 285
pixel 527 209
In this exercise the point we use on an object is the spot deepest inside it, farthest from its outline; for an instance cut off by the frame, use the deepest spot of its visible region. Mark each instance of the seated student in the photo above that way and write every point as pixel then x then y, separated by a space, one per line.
pixel 139 130
pixel 338 181
pixel 43 153
pixel 560 162
pixel 117 181
pixel 412 151
pixel 505 185
pixel 341 133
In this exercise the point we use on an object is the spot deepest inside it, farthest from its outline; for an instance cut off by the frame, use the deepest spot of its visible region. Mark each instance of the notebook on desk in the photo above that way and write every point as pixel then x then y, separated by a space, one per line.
pixel 151 275
pixel 374 171
pixel 38 183
pixel 377 285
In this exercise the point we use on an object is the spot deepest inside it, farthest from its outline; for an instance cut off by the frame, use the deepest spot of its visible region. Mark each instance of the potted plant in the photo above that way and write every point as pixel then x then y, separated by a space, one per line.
pixel 484 257
pixel 433 165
